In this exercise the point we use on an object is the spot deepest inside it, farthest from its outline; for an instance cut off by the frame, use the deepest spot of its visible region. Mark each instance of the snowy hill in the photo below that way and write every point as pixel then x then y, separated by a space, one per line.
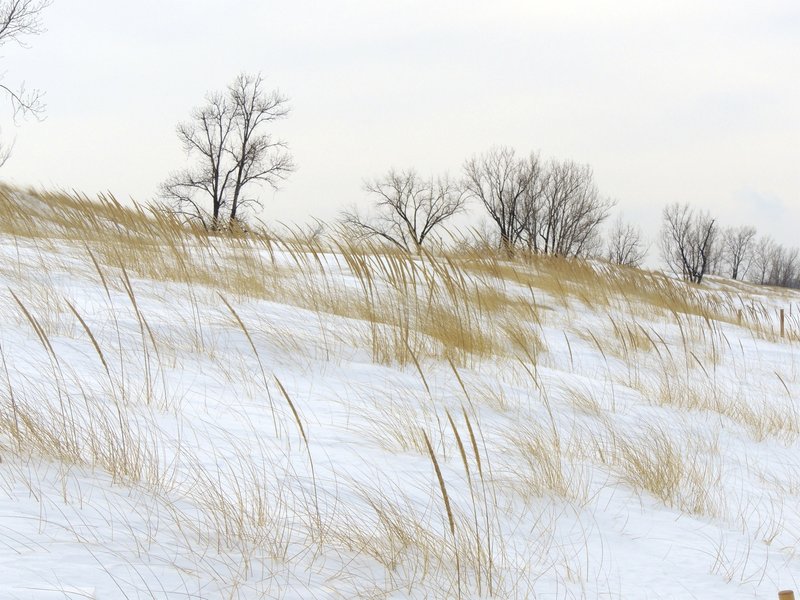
pixel 190 416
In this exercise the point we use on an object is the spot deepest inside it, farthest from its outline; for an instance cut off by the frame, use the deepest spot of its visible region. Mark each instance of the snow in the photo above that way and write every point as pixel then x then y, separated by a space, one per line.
pixel 177 467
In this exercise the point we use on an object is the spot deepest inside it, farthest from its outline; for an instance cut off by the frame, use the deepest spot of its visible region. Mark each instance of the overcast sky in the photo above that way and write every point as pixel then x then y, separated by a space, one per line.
pixel 690 101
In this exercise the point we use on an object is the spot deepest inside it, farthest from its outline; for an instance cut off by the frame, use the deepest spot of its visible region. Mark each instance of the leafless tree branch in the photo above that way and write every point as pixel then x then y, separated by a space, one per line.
pixel 18 20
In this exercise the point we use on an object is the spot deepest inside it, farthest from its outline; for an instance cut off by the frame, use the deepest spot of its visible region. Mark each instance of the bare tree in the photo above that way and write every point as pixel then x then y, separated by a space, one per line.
pixel 624 245
pixel 553 208
pixel 409 208
pixel 688 240
pixel 257 156
pixel 737 247
pixel 234 151
pixel 506 186
pixel 785 267
pixel 569 211
pixel 763 257
pixel 205 136
pixel 18 20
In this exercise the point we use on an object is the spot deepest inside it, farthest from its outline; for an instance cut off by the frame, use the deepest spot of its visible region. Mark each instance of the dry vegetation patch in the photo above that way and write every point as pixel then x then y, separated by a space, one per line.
pixel 548 378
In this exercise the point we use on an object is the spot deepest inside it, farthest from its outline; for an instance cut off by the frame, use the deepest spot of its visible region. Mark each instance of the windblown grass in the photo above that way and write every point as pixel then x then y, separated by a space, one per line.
pixel 521 391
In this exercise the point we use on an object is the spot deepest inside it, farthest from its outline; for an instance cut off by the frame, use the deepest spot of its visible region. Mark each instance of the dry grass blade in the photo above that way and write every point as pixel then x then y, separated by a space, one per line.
pixel 293 408
pixel 463 453
pixel 12 399
pixel 247 335
pixel 447 506
pixel 89 333
pixel 37 328
pixel 442 486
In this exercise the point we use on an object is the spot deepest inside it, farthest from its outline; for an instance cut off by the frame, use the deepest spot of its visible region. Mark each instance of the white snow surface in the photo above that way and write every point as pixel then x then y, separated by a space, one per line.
pixel 177 469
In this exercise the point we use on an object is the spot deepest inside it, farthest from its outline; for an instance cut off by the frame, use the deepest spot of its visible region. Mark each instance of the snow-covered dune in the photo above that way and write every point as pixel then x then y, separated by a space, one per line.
pixel 191 416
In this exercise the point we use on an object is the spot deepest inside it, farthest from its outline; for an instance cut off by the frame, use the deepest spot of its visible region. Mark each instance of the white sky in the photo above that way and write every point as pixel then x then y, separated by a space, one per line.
pixel 678 100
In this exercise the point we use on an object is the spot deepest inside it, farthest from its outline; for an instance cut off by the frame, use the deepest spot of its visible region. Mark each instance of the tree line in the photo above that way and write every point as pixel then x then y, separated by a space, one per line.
pixel 546 207
pixel 693 245
pixel 531 204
